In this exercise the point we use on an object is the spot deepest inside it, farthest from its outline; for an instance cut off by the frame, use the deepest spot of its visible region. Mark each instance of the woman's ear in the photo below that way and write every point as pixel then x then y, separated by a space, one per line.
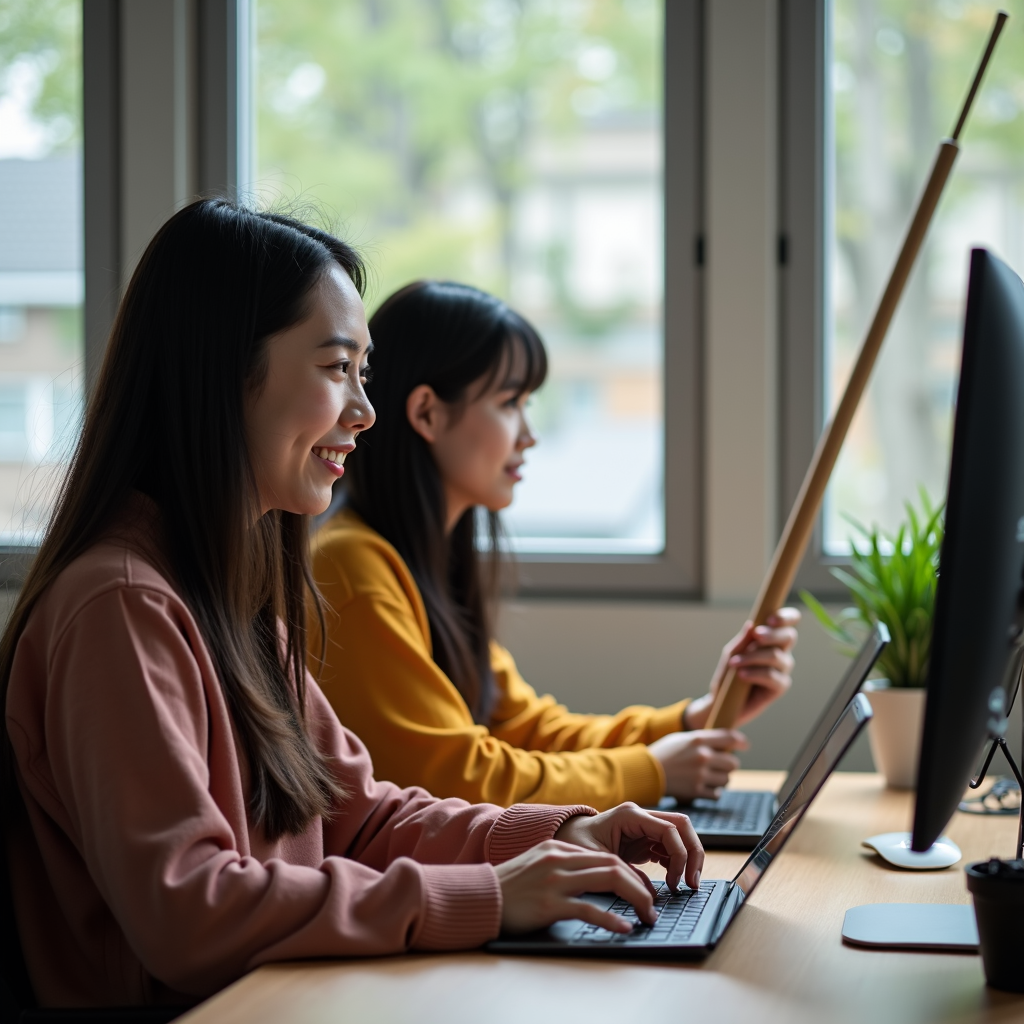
pixel 425 412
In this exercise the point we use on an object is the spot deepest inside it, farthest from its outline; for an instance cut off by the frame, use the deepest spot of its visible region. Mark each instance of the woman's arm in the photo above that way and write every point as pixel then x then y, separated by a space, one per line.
pixel 545 856
pixel 381 680
pixel 136 764
pixel 380 821
pixel 380 677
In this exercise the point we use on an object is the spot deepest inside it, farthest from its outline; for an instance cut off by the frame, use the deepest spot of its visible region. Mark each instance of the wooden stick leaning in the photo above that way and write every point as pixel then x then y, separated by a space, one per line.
pixel 789 552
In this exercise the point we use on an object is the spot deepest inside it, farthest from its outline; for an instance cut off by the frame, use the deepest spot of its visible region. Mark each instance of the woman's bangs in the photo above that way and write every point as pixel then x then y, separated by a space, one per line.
pixel 523 366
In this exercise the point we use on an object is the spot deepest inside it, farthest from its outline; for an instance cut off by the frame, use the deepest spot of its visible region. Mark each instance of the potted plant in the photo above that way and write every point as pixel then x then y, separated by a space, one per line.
pixel 891 579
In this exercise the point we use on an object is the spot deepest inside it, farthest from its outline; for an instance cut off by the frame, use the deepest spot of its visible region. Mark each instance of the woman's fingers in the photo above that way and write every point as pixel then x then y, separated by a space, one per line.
pixel 744 637
pixel 775 636
pixel 620 879
pixel 566 857
pixel 785 617
pixel 715 772
pixel 780 631
pixel 711 741
pixel 644 879
pixel 687 759
pixel 715 779
pixel 581 910
pixel 771 680
pixel 769 657
pixel 539 885
pixel 720 762
pixel 766 663
pixel 630 831
pixel 678 838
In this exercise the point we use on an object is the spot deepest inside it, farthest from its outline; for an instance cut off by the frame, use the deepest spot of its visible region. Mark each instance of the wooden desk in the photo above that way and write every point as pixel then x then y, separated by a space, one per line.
pixel 782 960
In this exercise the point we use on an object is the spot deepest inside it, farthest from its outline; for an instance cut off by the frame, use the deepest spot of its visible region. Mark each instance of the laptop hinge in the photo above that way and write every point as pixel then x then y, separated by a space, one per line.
pixel 726 910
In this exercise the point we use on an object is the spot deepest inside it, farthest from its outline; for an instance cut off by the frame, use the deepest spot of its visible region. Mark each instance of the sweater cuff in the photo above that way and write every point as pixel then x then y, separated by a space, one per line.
pixel 462 906
pixel 523 826
pixel 643 778
pixel 667 720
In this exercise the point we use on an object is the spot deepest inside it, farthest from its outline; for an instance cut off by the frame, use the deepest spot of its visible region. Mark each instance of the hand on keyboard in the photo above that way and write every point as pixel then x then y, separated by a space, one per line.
pixel 590 854
pixel 540 887
pixel 638 836
pixel 678 914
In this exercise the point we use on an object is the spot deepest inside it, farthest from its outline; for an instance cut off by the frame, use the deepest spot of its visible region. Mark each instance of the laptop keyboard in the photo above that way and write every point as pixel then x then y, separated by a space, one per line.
pixel 677 918
pixel 739 814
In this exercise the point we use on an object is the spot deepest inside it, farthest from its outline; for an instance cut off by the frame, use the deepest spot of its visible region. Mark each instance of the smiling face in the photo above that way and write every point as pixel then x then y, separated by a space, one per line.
pixel 478 444
pixel 303 420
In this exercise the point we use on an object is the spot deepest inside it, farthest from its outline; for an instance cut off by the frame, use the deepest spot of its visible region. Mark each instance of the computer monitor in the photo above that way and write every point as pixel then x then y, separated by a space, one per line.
pixel 979 602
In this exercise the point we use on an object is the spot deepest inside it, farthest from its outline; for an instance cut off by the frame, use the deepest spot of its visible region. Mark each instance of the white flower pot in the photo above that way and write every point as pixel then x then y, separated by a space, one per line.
pixel 895 731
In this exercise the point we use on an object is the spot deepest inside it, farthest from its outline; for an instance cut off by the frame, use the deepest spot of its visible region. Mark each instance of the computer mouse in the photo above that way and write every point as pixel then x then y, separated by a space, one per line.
pixel 895 848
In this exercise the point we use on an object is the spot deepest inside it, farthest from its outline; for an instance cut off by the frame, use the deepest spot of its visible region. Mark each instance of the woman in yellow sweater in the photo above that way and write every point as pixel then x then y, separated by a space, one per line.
pixel 409 660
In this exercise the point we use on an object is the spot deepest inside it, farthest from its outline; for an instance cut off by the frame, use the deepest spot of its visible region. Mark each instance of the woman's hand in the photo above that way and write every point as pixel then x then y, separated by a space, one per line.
pixel 638 836
pixel 761 656
pixel 540 887
pixel 698 763
pixel 590 854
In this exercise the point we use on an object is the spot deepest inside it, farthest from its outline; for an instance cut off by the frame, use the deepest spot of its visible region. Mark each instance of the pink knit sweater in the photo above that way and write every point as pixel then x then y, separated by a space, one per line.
pixel 136 875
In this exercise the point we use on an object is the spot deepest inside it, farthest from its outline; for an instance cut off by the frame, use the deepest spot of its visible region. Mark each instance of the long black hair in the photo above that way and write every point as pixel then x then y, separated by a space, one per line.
pixel 187 348
pixel 454 338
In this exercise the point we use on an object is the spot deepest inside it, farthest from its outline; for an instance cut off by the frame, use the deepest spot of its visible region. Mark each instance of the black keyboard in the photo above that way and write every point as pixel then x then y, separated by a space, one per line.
pixel 739 814
pixel 677 918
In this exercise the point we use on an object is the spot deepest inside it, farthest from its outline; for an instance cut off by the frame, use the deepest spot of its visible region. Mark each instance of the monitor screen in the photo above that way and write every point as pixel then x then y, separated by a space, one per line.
pixel 979 601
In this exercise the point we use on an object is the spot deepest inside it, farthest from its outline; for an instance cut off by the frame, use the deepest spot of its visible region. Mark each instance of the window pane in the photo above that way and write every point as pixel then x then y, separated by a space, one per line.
pixel 899 75
pixel 41 287
pixel 515 146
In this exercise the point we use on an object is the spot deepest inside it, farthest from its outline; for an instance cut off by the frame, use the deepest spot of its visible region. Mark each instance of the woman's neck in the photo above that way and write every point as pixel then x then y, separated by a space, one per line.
pixel 456 507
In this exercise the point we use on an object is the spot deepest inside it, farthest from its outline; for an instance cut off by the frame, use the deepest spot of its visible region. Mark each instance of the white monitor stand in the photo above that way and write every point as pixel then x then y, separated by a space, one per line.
pixel 938 927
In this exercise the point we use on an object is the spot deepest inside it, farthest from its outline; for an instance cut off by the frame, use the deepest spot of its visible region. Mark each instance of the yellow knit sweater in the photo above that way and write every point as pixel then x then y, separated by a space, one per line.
pixel 381 678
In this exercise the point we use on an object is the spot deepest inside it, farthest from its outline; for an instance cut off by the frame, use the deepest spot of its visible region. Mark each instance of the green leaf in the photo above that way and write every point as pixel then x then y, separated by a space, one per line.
pixel 892 579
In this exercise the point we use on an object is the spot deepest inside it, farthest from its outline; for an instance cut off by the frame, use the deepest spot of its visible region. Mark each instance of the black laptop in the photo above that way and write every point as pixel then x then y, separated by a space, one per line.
pixel 691 921
pixel 738 818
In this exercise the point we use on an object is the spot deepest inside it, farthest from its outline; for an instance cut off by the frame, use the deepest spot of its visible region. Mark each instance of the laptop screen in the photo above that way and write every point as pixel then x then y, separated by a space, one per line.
pixel 806 789
pixel 851 682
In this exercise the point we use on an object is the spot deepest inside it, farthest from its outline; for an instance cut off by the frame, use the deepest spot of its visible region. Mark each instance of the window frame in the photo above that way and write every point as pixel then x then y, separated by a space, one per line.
pixel 677 570
pixel 211 137
pixel 805 193
pixel 201 123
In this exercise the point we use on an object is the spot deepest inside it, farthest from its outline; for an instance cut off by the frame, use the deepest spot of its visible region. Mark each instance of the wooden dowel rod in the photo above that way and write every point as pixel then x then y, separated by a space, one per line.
pixel 775 588
pixel 993 38
pixel 789 552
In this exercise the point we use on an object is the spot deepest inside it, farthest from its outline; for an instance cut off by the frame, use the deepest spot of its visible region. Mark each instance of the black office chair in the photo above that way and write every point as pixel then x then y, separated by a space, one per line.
pixel 17 1000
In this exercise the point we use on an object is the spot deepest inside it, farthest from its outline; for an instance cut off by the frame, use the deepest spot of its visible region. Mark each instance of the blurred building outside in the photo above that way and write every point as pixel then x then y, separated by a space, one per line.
pixel 41 293
pixel 588 235
pixel 516 147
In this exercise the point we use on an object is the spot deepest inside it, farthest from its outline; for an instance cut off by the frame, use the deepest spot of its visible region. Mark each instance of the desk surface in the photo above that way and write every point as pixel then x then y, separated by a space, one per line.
pixel 781 961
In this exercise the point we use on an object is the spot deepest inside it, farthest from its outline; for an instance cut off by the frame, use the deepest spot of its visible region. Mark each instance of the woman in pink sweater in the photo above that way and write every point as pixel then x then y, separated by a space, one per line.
pixel 182 804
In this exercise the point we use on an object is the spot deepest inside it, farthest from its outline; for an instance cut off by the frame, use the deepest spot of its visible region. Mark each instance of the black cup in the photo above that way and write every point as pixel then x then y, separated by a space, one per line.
pixel 998 890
